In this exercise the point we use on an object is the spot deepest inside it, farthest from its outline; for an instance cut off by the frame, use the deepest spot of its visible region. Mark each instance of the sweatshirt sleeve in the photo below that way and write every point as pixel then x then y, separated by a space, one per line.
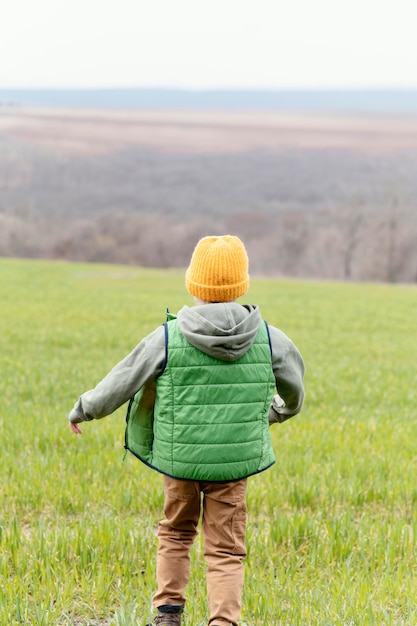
pixel 288 367
pixel 144 362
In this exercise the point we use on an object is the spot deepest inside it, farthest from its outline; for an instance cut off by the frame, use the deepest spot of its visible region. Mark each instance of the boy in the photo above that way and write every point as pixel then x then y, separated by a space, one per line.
pixel 211 374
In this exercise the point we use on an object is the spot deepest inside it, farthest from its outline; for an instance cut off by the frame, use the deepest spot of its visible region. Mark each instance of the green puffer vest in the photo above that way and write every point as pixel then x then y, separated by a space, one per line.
pixel 205 419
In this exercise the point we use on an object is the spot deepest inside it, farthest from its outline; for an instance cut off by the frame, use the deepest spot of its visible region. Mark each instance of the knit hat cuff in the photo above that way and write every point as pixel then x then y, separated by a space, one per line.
pixel 217 293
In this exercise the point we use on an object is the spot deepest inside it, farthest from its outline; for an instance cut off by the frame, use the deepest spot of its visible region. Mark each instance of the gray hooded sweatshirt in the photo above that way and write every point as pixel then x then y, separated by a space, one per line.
pixel 222 330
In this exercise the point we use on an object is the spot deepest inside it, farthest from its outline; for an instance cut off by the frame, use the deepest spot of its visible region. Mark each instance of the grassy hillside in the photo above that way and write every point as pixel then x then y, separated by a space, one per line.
pixel 332 526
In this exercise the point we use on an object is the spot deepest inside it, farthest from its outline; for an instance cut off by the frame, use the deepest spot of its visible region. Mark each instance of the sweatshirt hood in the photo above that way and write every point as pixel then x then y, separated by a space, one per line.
pixel 223 330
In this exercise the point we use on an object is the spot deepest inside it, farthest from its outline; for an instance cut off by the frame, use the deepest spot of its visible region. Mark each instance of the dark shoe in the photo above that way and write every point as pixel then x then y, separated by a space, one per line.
pixel 166 619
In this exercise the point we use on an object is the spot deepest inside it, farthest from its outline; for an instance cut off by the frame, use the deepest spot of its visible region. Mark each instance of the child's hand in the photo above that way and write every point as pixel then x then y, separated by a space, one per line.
pixel 75 429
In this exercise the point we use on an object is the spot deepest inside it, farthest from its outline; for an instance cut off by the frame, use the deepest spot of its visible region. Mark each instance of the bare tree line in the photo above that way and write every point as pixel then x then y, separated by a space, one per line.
pixel 315 214
pixel 342 245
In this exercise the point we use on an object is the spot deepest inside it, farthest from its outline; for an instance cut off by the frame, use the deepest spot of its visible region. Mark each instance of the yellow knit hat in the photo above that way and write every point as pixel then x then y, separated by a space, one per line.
pixel 218 270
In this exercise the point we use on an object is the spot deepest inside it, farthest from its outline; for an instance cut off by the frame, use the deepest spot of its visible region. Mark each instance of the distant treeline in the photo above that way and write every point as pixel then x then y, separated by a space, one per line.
pixel 307 213
pixel 374 101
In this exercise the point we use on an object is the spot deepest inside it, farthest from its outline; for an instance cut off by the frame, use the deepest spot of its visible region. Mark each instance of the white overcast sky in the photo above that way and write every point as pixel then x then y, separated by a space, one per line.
pixel 202 44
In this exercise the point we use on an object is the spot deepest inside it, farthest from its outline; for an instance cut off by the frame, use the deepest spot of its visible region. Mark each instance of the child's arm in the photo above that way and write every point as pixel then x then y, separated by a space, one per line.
pixel 288 367
pixel 122 382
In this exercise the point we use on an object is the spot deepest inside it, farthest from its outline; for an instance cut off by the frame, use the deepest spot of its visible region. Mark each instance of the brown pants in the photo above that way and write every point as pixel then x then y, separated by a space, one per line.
pixel 224 528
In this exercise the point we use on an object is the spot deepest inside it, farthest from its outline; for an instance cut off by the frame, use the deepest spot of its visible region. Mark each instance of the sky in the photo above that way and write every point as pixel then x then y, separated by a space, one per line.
pixel 211 44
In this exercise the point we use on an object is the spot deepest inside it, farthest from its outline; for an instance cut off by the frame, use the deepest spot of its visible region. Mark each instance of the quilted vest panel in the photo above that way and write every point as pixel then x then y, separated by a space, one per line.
pixel 209 420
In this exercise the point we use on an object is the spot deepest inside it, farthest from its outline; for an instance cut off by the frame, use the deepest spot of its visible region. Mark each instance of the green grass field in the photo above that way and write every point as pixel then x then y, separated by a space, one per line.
pixel 332 526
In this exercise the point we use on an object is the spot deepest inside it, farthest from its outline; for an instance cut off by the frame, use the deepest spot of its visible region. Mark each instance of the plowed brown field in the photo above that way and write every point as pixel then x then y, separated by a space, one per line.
pixel 88 131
